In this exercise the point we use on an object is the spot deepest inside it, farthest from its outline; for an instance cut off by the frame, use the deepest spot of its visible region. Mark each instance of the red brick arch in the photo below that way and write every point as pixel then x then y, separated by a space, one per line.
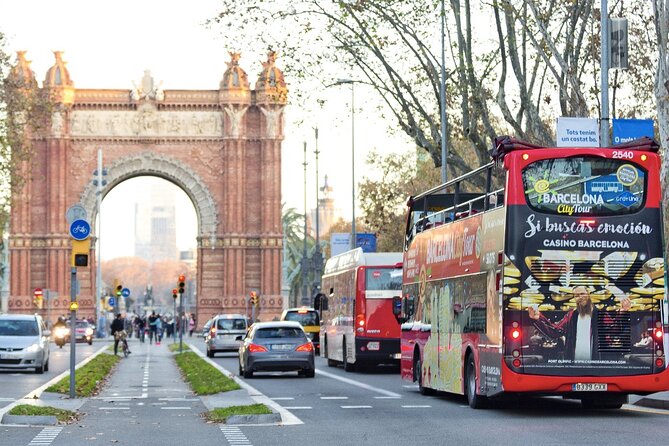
pixel 221 147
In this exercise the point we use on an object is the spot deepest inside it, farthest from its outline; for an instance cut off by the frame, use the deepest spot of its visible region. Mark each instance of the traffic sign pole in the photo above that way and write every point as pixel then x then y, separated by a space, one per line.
pixel 73 325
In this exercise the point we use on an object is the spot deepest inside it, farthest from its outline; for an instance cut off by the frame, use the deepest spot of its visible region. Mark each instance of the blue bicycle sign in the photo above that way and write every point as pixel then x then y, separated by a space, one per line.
pixel 80 230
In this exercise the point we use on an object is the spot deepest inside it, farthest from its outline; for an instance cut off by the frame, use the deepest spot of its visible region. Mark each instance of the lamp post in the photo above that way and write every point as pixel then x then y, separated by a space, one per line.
pixel 305 263
pixel 352 82
pixel 604 56
pixel 317 258
pixel 99 182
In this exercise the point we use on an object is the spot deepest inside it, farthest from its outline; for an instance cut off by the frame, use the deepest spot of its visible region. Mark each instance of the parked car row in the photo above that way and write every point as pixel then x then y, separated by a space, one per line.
pixel 286 345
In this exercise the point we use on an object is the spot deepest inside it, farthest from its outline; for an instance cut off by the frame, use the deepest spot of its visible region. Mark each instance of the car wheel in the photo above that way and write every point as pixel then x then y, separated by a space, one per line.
pixel 310 373
pixel 240 369
pixel 39 370
pixel 248 374
pixel 209 354
pixel 46 366
pixel 90 342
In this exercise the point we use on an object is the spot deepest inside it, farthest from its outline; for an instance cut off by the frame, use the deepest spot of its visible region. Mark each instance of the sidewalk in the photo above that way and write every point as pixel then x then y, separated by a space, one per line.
pixel 145 394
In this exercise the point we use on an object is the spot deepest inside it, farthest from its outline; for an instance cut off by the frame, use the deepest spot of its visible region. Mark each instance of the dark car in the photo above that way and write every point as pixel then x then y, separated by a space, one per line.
pixel 276 346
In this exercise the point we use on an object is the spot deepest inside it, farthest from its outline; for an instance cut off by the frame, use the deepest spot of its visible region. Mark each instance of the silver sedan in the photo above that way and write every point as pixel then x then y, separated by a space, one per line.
pixel 276 346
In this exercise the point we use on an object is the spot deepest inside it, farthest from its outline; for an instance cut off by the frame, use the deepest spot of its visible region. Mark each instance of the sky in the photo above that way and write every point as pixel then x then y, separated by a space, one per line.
pixel 110 44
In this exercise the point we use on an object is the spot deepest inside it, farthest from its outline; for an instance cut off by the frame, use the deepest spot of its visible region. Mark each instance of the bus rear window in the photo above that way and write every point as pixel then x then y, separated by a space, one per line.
pixel 383 279
pixel 584 186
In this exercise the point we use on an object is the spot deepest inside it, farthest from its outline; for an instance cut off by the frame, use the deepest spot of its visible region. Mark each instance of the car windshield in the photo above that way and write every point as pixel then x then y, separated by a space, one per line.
pixel 231 324
pixel 278 332
pixel 304 318
pixel 18 328
pixel 82 325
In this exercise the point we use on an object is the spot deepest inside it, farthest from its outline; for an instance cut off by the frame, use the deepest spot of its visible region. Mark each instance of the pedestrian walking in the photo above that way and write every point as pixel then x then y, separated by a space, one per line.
pixel 191 326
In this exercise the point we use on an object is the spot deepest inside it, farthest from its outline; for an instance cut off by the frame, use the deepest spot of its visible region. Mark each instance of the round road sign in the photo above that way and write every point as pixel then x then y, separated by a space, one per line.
pixel 80 230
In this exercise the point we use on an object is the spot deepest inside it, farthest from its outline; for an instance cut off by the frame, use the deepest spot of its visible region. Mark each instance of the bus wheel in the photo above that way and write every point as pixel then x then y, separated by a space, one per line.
pixel 347 366
pixel 418 376
pixel 475 401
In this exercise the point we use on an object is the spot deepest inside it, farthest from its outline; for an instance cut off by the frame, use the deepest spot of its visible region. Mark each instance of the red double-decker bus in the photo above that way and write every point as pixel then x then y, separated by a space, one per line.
pixel 551 282
pixel 358 326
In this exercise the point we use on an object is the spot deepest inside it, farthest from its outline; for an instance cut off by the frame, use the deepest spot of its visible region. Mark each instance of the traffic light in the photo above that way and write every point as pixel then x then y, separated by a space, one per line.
pixel 254 298
pixel 80 251
pixel 119 290
pixel 174 293
pixel 181 283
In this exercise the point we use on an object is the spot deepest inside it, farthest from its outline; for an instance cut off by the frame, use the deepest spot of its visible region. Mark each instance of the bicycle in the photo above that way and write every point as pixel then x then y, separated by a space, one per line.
pixel 121 337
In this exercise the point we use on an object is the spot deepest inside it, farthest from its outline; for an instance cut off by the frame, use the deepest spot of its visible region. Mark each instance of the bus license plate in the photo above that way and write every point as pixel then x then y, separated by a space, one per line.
pixel 589 387
pixel 373 346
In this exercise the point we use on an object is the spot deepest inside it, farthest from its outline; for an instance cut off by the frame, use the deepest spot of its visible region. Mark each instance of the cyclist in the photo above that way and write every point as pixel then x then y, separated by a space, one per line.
pixel 118 331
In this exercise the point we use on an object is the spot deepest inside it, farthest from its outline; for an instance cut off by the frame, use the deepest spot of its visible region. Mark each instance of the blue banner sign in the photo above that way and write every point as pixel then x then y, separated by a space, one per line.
pixel 366 241
pixel 625 130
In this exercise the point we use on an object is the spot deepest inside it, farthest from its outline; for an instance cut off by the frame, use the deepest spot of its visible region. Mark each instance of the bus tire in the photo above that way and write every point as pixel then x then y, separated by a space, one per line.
pixel 475 400
pixel 348 367
pixel 326 352
pixel 418 377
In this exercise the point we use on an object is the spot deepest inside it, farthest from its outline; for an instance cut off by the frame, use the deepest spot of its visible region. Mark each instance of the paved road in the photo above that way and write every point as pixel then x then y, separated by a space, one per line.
pixel 16 384
pixel 340 408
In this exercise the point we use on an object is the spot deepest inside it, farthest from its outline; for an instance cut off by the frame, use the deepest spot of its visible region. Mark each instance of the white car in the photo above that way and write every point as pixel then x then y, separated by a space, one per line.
pixel 24 342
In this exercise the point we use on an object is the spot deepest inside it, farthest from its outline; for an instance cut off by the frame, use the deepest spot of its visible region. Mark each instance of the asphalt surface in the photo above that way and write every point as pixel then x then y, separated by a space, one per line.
pixel 16 384
pixel 146 402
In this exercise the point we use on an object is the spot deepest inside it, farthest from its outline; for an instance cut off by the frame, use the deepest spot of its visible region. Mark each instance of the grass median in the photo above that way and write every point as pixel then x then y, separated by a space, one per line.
pixel 175 347
pixel 89 378
pixel 203 378
pixel 63 416
pixel 221 415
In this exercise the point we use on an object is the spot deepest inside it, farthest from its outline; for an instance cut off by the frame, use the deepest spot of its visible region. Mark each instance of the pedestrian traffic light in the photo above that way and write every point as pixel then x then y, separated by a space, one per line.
pixel 182 283
pixel 80 252
pixel 174 293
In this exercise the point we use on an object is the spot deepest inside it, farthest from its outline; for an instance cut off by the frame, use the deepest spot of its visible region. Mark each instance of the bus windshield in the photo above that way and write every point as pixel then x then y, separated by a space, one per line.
pixel 383 279
pixel 584 185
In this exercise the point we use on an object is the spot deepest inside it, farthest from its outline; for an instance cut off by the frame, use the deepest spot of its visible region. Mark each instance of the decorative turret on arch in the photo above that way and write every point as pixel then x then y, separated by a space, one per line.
pixel 149 163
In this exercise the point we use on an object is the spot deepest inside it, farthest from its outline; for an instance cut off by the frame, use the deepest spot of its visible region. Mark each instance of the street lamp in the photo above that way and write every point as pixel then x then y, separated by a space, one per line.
pixel 352 82
pixel 305 263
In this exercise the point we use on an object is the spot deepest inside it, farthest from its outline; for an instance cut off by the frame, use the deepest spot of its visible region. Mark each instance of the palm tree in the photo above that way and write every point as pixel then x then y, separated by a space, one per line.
pixel 293 233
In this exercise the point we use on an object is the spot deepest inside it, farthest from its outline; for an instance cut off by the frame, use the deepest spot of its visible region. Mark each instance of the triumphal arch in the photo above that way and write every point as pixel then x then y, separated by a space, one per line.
pixel 222 147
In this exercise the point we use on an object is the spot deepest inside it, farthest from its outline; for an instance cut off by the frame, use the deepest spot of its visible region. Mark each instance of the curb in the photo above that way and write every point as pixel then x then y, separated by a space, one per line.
pixel 286 418
pixel 254 419
pixel 32 420
pixel 35 394
pixel 652 403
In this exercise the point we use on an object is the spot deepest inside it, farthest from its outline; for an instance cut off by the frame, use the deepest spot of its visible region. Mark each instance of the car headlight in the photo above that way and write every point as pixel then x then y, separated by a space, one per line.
pixel 89 331
pixel 33 348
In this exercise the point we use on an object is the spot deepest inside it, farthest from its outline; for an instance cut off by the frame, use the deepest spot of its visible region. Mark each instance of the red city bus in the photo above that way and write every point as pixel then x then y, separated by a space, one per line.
pixel 358 326
pixel 550 284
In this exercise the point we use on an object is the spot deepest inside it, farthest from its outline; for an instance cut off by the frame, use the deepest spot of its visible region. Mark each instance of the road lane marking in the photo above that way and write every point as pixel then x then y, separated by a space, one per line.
pixel 235 436
pixel 178 399
pixel 334 397
pixel 284 398
pixel 176 408
pixel 416 406
pixel 632 408
pixel 287 418
pixel 356 407
pixel 387 397
pixel 298 407
pixel 113 408
pixel 46 436
pixel 359 384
